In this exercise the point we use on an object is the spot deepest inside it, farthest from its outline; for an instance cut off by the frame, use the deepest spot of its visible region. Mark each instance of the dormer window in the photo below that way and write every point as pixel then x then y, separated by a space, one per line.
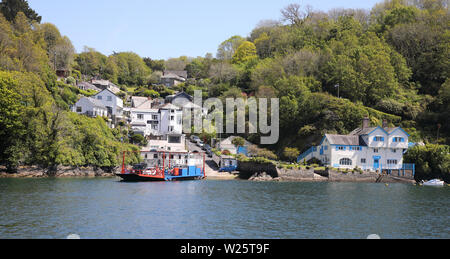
pixel 378 139
pixel 398 139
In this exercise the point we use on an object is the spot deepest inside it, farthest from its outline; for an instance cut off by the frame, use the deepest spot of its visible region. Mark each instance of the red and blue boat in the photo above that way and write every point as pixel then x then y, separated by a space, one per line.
pixel 154 172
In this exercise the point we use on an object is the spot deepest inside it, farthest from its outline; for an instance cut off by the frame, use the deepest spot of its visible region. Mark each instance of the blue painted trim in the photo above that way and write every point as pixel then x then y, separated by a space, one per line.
pixel 398 128
pixel 323 139
pixel 378 128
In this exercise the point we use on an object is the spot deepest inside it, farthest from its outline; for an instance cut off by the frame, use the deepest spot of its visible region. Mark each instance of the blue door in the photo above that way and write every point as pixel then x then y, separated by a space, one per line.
pixel 376 163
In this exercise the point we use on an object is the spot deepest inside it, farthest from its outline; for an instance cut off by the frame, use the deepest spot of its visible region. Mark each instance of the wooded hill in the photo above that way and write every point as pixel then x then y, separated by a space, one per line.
pixel 329 70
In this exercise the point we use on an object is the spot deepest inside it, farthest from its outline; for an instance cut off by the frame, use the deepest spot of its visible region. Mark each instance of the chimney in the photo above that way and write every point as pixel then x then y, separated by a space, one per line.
pixel 385 124
pixel 366 122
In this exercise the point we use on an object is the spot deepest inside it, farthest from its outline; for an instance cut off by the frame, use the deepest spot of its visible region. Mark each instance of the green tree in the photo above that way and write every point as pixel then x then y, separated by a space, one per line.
pixel 238 142
pixel 291 154
pixel 432 161
pixel 10 8
pixel 228 48
pixel 244 53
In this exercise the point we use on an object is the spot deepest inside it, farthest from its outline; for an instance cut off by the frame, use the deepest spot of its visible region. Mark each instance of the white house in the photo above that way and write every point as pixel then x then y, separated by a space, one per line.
pixel 105 84
pixel 172 78
pixel 112 102
pixel 166 119
pixel 227 144
pixel 146 121
pixel 171 117
pixel 90 107
pixel 368 148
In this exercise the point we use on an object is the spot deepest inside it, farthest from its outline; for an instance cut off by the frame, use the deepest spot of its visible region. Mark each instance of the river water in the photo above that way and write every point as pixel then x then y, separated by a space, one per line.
pixel 108 208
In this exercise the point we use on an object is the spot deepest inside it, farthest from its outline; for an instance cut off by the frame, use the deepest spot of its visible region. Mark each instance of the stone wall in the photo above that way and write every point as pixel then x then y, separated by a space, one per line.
pixel 263 172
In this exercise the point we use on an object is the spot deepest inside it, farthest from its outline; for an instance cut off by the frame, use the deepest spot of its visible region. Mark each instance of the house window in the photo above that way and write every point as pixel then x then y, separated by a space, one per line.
pixel 109 98
pixel 378 138
pixel 171 128
pixel 140 116
pixel 79 109
pixel 174 140
pixel 363 160
pixel 99 97
pixel 342 148
pixel 155 117
pixel 326 147
pixel 398 139
pixel 375 150
pixel 155 156
pixel 355 148
pixel 155 126
pixel 394 150
pixel 345 161
pixel 392 162
pixel 172 118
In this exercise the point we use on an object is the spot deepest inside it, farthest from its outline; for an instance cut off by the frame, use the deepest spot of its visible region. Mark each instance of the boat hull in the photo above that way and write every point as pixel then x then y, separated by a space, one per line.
pixel 147 178
pixel 139 178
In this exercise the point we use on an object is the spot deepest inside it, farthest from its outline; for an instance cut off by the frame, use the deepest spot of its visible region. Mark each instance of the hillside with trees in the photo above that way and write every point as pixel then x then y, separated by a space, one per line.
pixel 329 70
pixel 36 126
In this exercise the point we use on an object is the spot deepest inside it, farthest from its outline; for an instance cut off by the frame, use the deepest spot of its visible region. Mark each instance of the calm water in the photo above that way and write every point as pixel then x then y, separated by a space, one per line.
pixel 107 208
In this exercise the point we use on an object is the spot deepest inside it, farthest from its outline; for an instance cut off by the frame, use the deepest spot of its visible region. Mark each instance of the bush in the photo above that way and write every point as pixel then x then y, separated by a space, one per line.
pixel 432 161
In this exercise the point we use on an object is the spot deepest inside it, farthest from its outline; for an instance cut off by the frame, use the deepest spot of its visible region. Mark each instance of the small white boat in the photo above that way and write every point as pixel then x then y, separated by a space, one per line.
pixel 434 182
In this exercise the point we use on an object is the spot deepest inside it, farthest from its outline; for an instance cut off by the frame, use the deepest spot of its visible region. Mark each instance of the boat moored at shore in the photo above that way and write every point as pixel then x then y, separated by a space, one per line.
pixel 190 169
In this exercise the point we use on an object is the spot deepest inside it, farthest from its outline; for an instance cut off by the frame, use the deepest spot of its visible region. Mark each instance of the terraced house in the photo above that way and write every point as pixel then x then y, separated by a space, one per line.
pixel 369 148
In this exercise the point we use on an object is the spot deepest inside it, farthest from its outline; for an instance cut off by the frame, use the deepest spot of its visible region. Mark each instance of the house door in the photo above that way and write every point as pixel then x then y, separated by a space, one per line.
pixel 376 163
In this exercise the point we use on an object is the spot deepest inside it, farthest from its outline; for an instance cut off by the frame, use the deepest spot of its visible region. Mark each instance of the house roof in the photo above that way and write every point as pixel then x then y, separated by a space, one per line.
pixel 100 82
pixel 144 110
pixel 93 101
pixel 366 131
pixel 181 94
pixel 229 141
pixel 180 73
pixel 109 91
pixel 348 140
pixel 191 105
pixel 174 76
pixel 169 106
pixel 88 85
pixel 141 102
pixel 355 137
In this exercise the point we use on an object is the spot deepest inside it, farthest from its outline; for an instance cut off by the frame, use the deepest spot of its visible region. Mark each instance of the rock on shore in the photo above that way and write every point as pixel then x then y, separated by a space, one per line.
pixel 263 177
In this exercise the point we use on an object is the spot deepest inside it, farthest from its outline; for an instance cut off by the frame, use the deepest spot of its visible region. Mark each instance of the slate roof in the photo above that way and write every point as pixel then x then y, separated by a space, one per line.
pixel 169 106
pixel 347 140
pixel 141 102
pixel 173 76
pixel 365 131
pixel 87 85
pixel 94 102
pixel 182 73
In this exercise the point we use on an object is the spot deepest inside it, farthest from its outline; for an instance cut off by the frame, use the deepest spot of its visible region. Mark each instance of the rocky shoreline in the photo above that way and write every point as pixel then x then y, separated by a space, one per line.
pixel 270 173
pixel 249 172
pixel 58 172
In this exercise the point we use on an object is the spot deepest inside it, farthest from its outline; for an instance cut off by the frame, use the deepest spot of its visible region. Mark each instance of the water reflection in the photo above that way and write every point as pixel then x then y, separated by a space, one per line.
pixel 108 208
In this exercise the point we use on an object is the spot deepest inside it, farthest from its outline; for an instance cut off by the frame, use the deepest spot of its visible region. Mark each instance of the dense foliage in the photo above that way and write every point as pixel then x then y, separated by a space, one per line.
pixel 432 161
pixel 329 70
pixel 36 126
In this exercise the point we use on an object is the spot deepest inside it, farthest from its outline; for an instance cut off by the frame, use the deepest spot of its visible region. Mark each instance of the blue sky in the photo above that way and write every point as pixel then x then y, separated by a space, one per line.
pixel 169 28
